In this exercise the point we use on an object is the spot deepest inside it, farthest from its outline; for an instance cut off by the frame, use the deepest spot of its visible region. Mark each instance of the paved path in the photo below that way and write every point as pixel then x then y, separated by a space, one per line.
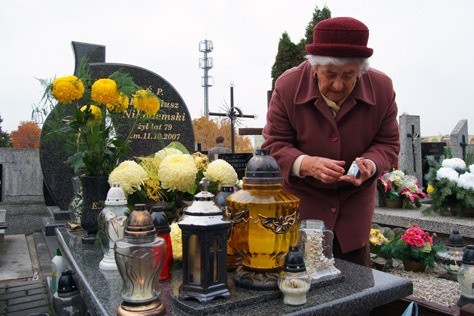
pixel 25 262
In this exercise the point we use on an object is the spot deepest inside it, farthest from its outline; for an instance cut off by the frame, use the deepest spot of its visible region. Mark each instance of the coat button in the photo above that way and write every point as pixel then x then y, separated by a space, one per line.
pixel 333 210
pixel 333 138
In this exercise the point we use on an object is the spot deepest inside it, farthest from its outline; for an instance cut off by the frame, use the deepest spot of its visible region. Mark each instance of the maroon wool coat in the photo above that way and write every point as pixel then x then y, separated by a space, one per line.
pixel 299 122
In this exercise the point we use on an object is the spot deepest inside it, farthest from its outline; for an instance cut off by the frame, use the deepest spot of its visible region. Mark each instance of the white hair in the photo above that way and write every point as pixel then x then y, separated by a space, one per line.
pixel 316 60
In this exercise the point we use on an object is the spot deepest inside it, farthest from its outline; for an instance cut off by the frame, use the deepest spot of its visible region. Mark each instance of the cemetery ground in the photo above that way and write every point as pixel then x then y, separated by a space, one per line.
pixel 431 288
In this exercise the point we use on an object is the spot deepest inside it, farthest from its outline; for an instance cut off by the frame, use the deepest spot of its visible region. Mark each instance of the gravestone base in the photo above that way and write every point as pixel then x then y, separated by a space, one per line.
pixel 58 218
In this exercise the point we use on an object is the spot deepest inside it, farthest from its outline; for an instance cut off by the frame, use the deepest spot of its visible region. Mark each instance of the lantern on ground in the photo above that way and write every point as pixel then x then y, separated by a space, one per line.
pixel 294 280
pixel 466 277
pixel 450 259
pixel 204 237
pixel 67 300
pixel 140 256
pixel 265 223
pixel 112 220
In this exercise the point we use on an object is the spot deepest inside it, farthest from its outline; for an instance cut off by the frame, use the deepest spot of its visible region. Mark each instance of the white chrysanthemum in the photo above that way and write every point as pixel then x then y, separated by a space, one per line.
pixel 222 172
pixel 471 168
pixel 162 154
pixel 447 173
pixel 466 181
pixel 177 172
pixel 454 163
pixel 130 175
pixel 176 241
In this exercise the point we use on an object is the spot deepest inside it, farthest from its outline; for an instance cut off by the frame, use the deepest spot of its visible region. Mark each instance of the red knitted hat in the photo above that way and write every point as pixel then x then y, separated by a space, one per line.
pixel 340 37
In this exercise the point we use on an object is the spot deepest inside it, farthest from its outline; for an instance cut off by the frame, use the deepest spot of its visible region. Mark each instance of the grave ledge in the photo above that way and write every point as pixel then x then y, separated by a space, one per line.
pixel 433 223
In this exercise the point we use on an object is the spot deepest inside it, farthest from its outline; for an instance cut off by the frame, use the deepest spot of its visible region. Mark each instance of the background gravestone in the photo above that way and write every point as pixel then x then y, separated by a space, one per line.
pixel 409 158
pixel 172 123
pixel 459 140
pixel 238 161
pixel 435 149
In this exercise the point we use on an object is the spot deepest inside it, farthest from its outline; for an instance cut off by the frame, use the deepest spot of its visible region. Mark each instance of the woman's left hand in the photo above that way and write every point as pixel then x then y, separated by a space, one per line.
pixel 366 170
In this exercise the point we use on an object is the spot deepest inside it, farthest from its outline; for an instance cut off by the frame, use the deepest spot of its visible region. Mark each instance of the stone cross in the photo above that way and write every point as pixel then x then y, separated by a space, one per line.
pixel 409 158
pixel 458 138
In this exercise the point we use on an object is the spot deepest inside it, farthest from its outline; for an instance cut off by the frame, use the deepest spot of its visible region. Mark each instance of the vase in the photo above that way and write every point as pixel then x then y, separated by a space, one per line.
pixel 414 266
pixel 393 203
pixel 94 193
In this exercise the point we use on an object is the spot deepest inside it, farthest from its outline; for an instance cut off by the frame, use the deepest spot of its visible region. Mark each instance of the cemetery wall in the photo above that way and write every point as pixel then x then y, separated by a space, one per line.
pixel 20 175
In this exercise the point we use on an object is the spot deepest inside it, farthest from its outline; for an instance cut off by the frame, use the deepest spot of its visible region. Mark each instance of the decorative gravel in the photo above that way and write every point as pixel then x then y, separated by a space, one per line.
pixel 431 285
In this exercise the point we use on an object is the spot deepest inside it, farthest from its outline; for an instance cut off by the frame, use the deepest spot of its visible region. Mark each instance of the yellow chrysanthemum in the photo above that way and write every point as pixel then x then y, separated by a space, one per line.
pixel 430 189
pixel 222 172
pixel 130 175
pixel 67 89
pixel 176 241
pixel 121 105
pixel 104 91
pixel 200 160
pixel 96 113
pixel 177 172
pixel 146 101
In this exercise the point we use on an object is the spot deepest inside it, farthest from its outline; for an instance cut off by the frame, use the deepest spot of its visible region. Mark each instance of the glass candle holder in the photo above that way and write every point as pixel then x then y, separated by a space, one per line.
pixel 140 256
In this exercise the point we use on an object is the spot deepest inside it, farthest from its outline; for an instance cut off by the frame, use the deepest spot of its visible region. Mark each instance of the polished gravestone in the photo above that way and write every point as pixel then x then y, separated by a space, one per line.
pixel 172 123
pixel 358 291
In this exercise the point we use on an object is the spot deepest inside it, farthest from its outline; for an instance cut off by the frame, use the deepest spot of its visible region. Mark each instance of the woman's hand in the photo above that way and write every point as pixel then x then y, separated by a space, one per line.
pixel 366 170
pixel 324 169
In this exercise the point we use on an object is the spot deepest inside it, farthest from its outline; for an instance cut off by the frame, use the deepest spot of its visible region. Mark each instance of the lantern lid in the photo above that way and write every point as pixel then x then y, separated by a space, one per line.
pixel 203 203
pixel 262 169
pixel 115 196
pixel 160 220
pixel 468 255
pixel 294 261
pixel 139 223
pixel 66 283
pixel 455 239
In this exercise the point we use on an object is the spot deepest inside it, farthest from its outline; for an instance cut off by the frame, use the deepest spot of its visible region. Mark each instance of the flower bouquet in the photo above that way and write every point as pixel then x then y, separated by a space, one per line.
pixel 450 186
pixel 88 111
pixel 415 245
pixel 397 186
pixel 170 177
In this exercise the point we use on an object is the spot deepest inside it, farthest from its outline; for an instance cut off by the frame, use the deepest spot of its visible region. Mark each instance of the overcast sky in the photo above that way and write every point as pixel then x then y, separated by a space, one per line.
pixel 426 47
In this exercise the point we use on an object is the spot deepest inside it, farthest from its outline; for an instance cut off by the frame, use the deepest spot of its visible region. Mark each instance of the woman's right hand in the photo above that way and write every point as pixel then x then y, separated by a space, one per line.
pixel 324 169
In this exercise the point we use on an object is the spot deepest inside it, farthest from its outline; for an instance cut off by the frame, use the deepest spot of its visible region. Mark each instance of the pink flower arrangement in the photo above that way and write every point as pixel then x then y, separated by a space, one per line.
pixel 416 237
pixel 397 185
pixel 415 245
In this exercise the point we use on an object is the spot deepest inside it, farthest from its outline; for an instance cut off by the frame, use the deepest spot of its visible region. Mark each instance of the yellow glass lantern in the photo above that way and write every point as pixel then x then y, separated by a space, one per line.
pixel 265 223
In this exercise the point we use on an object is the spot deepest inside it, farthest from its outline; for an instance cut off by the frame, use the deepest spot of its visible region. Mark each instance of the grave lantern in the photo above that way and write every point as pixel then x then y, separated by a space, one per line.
pixel 265 223
pixel 450 259
pixel 112 220
pixel 140 256
pixel 294 280
pixel 466 277
pixel 204 235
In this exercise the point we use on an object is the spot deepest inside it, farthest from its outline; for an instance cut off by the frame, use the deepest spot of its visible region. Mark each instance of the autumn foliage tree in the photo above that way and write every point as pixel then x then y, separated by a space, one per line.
pixel 206 130
pixel 27 135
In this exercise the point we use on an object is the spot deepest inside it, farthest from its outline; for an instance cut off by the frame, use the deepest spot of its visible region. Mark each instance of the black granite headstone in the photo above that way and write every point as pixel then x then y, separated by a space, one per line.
pixel 436 150
pixel 172 123
pixel 238 161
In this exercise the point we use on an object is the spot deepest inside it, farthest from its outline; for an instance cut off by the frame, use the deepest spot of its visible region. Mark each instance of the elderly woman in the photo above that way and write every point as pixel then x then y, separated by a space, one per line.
pixel 326 113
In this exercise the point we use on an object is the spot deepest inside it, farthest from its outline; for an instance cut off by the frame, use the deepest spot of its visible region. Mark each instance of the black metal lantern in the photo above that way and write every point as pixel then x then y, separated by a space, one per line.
pixel 204 235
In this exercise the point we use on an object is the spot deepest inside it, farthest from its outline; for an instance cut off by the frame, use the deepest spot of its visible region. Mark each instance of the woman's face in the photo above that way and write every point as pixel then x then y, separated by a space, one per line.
pixel 336 82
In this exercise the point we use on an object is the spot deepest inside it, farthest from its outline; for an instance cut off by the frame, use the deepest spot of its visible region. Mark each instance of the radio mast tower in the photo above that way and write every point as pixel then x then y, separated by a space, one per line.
pixel 206 63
